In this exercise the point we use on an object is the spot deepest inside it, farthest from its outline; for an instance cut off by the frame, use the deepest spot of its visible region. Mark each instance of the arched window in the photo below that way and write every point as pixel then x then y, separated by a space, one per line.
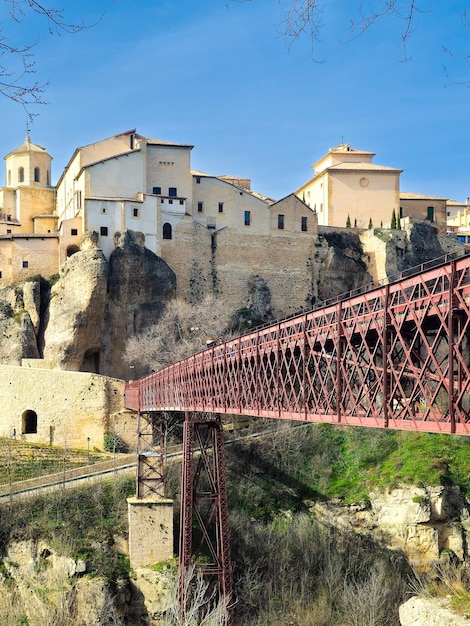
pixel 36 175
pixel 21 174
pixel 48 180
pixel 29 422
pixel 9 178
pixel 167 231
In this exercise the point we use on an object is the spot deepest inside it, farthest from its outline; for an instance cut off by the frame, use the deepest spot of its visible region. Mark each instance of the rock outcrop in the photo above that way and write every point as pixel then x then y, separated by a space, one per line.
pixel 426 523
pixel 419 611
pixel 74 334
pixel 140 283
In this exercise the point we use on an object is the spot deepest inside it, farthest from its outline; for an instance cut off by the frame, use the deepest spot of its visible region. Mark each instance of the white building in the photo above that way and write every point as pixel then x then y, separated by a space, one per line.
pixel 134 182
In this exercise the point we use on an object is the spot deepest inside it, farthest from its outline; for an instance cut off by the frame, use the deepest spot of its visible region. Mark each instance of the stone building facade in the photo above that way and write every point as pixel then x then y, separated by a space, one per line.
pixel 74 409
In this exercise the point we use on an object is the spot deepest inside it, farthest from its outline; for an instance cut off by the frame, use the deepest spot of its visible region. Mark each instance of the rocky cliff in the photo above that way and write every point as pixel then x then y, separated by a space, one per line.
pixel 82 322
pixel 428 524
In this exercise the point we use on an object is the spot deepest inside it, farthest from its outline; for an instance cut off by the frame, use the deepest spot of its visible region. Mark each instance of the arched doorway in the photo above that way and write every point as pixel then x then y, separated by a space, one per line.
pixel 29 422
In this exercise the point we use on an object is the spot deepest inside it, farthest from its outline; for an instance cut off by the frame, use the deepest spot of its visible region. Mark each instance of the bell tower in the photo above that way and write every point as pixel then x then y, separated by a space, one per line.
pixel 28 166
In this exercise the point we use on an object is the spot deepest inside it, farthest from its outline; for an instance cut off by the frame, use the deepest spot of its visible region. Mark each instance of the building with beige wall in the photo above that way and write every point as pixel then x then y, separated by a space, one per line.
pixel 57 407
pixel 28 222
pixel 346 184
pixel 418 207
pixel 458 219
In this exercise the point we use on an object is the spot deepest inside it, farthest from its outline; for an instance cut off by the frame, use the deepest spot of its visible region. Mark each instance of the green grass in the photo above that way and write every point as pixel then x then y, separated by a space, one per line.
pixel 345 463
pixel 20 460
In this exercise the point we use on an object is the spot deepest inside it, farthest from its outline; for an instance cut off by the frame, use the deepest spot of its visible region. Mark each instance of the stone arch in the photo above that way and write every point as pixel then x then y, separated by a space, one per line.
pixel 72 249
pixel 29 422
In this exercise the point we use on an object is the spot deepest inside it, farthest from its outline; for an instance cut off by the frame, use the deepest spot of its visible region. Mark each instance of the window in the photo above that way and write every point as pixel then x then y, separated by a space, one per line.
pixel 9 178
pixel 0 274
pixel 430 214
pixel 157 191
pixel 29 422
pixel 170 201
pixel 8 231
pixel 74 232
pixel 221 207
pixel 247 218
pixel 198 180
pixel 104 231
pixel 25 264
pixel 47 178
pixel 21 175
pixel 200 207
pixel 303 225
pixel 167 231
pixel 37 176
pixel 131 141
pixel 280 221
pixel 135 212
pixel 181 201
pixel 401 212
pixel 103 210
pixel 172 192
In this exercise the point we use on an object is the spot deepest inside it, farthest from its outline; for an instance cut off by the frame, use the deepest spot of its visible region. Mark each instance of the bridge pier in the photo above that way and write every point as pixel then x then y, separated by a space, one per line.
pixel 150 513
pixel 150 530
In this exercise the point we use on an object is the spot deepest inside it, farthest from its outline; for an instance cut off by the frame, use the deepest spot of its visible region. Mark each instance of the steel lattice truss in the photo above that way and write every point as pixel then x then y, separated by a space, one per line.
pixel 204 509
pixel 394 357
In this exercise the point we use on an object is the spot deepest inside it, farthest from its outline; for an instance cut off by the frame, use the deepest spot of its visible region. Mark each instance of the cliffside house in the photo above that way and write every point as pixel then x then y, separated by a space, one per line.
pixel 347 184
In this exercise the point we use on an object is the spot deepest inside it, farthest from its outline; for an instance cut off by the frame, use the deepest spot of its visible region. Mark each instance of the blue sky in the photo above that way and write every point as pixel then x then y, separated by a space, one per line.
pixel 217 74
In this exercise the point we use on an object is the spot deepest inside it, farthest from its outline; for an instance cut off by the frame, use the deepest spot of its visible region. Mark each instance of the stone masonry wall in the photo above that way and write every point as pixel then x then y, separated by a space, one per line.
pixel 69 406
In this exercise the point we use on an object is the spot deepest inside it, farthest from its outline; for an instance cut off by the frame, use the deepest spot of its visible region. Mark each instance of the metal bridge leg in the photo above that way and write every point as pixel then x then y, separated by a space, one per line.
pixel 204 528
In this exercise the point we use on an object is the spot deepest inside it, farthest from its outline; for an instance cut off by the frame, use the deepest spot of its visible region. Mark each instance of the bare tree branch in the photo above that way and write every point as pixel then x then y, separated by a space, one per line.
pixel 17 63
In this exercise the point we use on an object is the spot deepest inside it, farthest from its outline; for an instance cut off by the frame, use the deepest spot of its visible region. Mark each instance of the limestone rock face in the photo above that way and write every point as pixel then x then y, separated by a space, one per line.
pixel 426 523
pixel 75 323
pixel 343 265
pixel 48 585
pixel 17 333
pixel 429 612
pixel 139 285
pixel 32 302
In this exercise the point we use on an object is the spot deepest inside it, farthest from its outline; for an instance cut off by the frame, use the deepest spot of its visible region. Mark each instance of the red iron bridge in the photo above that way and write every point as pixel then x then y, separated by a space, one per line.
pixel 396 356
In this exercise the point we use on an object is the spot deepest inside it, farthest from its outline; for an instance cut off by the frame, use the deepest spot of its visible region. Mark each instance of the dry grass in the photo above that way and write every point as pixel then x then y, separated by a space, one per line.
pixel 20 460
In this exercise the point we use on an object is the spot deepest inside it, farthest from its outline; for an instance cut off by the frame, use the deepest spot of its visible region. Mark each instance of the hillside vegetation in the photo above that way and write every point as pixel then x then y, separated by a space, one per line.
pixel 287 569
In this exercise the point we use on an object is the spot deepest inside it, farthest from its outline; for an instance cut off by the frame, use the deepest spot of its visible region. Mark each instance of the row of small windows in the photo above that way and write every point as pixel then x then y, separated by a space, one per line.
pixel 172 191
pixel 200 207
pixel 21 178
pixel 167 229
pixel 281 223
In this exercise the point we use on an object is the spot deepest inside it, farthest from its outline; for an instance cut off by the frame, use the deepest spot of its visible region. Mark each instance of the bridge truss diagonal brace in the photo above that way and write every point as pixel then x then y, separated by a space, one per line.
pixel 204 530
pixel 150 479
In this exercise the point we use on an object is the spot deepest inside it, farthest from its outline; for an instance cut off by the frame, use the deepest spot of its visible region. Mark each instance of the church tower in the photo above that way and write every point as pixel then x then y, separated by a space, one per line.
pixel 27 202
pixel 29 165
